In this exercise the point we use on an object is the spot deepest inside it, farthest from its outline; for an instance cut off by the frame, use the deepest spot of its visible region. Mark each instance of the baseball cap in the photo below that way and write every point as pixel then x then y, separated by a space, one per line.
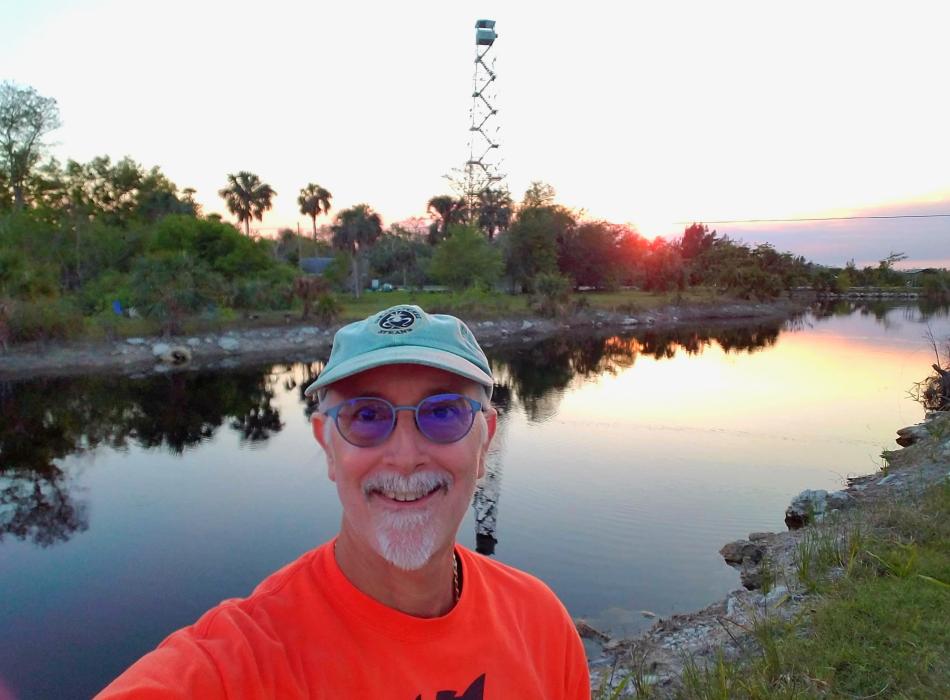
pixel 405 334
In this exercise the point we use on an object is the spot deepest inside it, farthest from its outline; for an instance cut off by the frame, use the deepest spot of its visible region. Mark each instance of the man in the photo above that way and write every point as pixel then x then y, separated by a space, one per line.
pixel 391 607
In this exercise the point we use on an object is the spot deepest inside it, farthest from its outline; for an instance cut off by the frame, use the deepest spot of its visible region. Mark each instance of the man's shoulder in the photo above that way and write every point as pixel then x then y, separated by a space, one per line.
pixel 283 587
pixel 501 578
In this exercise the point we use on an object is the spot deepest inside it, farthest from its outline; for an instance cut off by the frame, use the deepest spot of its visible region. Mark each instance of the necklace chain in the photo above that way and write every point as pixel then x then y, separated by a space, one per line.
pixel 455 578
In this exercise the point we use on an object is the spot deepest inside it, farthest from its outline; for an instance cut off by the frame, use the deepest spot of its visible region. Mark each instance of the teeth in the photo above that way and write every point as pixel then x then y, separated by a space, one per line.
pixel 403 495
pixel 405 488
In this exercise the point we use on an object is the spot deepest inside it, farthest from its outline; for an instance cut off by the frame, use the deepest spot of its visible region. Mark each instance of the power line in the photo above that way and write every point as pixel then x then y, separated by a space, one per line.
pixel 818 218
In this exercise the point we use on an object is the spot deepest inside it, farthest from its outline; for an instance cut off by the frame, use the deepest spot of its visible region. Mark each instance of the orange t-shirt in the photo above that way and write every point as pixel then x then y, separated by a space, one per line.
pixel 307 632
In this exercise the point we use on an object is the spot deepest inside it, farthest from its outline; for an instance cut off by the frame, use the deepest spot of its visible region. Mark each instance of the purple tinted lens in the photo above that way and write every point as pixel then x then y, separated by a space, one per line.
pixel 365 422
pixel 445 417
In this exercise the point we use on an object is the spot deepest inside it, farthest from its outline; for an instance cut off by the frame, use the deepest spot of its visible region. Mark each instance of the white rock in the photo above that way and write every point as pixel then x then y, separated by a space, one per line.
pixel 194 342
pixel 525 325
pixel 228 344
pixel 135 341
pixel 488 324
pixel 630 321
pixel 308 330
pixel 160 349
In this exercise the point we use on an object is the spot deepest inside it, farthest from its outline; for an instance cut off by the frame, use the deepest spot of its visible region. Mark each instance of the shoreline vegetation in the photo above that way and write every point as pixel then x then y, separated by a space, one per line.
pixel 503 319
pixel 850 602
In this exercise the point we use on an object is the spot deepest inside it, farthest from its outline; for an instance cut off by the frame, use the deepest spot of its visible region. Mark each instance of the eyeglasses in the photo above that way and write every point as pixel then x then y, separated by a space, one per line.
pixel 367 421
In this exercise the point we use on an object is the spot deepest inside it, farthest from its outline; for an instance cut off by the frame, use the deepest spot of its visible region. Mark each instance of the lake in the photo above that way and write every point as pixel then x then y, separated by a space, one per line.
pixel 622 463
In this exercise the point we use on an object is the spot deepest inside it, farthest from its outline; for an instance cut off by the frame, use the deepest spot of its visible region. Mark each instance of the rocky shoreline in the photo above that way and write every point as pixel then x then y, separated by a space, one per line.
pixel 308 343
pixel 767 568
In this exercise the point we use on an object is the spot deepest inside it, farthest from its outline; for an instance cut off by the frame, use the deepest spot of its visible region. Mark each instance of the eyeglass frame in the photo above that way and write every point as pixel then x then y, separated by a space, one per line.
pixel 334 413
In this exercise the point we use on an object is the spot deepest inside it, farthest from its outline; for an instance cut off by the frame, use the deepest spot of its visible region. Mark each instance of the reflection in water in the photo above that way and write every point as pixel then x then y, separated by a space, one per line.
pixel 36 506
pixel 48 419
pixel 536 378
pixel 923 309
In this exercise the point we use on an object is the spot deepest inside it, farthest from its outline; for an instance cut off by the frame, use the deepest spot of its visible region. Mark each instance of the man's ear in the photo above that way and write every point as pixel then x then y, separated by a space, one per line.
pixel 491 423
pixel 319 424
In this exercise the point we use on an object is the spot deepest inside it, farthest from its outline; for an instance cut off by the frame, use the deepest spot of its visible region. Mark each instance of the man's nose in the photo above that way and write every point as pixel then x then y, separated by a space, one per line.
pixel 406 445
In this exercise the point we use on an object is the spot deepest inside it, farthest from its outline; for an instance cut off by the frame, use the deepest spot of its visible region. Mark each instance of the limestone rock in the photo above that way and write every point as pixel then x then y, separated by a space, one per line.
pixel 741 552
pixel 229 344
pixel 806 507
pixel 587 631
pixel 176 355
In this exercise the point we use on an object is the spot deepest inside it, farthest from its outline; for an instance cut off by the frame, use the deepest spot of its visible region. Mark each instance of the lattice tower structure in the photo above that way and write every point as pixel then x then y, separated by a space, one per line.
pixel 483 168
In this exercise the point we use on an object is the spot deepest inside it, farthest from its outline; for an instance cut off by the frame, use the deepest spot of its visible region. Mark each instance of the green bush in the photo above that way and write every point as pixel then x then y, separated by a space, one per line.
pixel 97 295
pixel 55 319
pixel 552 294
pixel 260 293
pixel 464 259
pixel 327 309
pixel 24 279
pixel 474 302
pixel 167 286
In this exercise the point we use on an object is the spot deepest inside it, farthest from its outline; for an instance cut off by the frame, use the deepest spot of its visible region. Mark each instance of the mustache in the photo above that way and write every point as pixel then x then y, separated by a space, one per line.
pixel 416 482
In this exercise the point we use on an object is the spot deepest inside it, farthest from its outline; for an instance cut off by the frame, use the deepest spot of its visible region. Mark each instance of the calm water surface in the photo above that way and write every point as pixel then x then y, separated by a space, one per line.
pixel 621 465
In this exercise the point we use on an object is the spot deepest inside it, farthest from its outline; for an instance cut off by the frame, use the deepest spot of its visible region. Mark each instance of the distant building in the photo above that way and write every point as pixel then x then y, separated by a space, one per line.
pixel 315 266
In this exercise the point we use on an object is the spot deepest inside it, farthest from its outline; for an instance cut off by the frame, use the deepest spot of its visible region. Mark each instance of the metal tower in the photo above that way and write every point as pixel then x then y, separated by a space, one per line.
pixel 482 167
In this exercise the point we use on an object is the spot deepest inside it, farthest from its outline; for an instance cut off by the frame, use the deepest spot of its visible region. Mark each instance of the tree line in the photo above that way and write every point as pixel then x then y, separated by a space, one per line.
pixel 85 242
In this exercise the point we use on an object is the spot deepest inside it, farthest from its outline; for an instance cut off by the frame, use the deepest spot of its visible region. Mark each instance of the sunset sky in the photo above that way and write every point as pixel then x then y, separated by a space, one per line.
pixel 648 113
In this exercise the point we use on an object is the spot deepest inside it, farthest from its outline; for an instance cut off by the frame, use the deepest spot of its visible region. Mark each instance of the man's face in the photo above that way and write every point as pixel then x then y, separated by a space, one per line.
pixel 432 483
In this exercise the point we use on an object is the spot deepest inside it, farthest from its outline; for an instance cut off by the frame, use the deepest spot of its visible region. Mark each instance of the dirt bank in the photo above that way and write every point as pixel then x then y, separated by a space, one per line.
pixel 308 343
pixel 766 560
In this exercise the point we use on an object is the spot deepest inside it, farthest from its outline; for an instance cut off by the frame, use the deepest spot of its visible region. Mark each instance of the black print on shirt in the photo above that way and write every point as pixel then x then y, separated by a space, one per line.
pixel 476 691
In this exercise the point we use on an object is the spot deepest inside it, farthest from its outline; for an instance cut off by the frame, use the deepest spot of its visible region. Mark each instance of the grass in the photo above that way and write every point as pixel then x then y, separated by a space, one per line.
pixel 880 629
pixel 470 304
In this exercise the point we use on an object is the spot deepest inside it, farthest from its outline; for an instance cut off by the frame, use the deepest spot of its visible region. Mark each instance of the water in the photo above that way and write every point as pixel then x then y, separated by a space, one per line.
pixel 621 465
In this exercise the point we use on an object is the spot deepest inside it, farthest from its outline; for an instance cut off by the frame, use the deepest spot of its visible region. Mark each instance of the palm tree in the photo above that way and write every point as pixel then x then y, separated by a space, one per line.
pixel 494 211
pixel 246 197
pixel 448 210
pixel 313 201
pixel 355 229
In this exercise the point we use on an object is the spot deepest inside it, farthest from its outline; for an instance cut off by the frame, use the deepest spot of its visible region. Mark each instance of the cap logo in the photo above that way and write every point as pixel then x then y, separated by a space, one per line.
pixel 397 321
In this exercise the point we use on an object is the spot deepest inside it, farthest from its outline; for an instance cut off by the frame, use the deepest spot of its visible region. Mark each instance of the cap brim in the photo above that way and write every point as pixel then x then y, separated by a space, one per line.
pixel 402 355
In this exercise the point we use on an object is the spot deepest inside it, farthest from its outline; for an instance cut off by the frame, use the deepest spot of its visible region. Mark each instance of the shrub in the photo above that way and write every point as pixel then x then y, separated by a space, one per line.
pixel 167 286
pixel 474 302
pixel 464 259
pixel 552 294
pixel 327 308
pixel 56 319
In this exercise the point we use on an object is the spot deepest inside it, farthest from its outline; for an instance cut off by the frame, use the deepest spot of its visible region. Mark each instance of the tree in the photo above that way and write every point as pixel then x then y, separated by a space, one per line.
pixel 314 200
pixel 447 211
pixel 538 194
pixel 400 256
pixel 589 254
pixel 246 197
pixel 531 243
pixel 494 212
pixel 25 118
pixel 696 240
pixel 356 229
pixel 465 258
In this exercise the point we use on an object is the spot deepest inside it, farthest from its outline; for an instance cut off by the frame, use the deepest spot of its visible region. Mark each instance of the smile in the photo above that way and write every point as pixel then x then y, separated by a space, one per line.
pixel 408 496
